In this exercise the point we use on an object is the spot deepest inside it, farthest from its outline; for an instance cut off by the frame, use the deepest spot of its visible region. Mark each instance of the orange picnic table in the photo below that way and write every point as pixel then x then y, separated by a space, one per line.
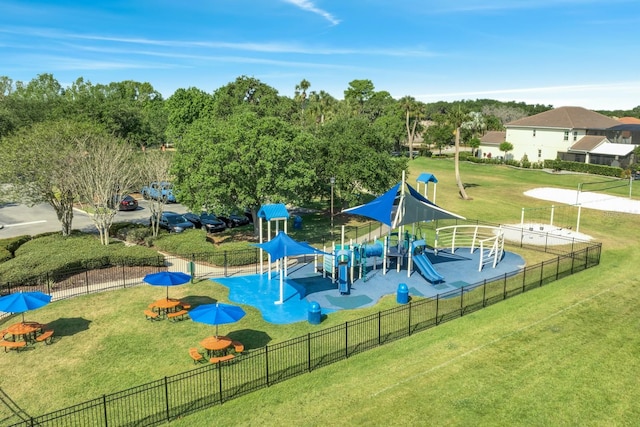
pixel 166 305
pixel 24 330
pixel 219 343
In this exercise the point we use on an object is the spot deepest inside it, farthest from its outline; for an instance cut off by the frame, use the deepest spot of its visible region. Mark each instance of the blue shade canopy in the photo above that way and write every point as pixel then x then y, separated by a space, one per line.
pixel 216 314
pixel 167 278
pixel 394 210
pixel 23 301
pixel 379 209
pixel 282 246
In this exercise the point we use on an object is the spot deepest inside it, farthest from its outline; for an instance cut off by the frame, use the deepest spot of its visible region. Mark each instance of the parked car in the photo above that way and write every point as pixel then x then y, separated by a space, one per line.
pixel 174 222
pixel 159 191
pixel 127 203
pixel 235 220
pixel 209 222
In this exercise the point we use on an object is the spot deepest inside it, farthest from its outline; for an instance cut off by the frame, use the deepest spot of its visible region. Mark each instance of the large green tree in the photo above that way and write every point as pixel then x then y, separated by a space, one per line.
pixel 244 161
pixel 354 153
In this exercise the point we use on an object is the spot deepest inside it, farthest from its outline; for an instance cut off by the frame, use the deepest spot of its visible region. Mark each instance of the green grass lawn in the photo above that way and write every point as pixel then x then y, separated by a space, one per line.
pixel 564 354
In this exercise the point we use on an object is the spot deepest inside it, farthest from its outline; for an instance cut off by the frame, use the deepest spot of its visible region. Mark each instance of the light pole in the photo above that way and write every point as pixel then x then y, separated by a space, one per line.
pixel 332 180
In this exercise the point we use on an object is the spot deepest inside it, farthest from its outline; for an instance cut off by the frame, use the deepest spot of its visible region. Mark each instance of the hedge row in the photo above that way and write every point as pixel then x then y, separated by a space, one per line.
pixel 558 165
pixel 58 255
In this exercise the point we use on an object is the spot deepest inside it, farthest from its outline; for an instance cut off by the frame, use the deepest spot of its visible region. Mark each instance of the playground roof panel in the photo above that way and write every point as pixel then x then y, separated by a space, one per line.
pixel 274 211
pixel 282 246
pixel 427 177
pixel 412 208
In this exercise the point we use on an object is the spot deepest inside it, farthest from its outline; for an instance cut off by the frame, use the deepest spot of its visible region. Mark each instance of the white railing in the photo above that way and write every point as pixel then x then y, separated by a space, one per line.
pixel 489 240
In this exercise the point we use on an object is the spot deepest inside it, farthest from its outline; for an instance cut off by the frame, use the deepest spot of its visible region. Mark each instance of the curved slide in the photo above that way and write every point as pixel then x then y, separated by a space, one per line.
pixel 426 268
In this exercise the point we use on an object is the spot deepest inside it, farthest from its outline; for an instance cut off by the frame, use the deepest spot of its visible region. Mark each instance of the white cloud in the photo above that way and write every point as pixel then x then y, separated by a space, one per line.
pixel 310 7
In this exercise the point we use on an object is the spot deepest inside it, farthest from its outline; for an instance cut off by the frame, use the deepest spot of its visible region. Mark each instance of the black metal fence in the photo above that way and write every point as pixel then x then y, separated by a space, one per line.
pixel 171 397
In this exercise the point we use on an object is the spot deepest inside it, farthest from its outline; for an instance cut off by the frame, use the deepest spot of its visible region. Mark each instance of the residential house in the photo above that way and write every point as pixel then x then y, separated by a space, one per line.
pixel 567 133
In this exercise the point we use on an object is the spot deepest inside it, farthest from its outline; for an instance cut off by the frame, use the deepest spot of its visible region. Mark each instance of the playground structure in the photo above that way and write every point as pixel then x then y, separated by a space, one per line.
pixel 347 263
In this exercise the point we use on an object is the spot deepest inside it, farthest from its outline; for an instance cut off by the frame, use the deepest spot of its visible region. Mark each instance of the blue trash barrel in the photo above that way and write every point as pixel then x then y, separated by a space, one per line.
pixel 403 294
pixel 315 313
pixel 297 223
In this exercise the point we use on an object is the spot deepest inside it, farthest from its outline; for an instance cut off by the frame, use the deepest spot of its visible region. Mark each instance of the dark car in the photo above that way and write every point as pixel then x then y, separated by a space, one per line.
pixel 174 222
pixel 128 203
pixel 211 223
pixel 235 220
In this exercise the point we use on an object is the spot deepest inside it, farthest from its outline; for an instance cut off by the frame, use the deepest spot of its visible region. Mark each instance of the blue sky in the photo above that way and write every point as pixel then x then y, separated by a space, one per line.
pixel 558 52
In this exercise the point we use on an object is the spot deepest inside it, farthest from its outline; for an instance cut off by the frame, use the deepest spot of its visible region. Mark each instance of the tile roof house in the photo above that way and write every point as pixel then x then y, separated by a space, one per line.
pixel 567 133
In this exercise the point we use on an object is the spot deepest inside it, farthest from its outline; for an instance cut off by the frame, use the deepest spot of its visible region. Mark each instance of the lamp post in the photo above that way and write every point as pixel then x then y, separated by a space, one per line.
pixel 332 180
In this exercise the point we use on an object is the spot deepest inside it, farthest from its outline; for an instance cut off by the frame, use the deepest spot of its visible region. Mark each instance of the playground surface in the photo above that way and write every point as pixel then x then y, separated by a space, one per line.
pixel 304 285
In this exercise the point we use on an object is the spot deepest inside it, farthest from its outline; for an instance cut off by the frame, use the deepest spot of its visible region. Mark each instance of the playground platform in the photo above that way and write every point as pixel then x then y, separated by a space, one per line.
pixel 304 285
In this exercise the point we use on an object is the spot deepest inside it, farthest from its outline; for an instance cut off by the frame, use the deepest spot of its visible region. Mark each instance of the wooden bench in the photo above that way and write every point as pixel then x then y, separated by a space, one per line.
pixel 178 315
pixel 196 355
pixel 221 358
pixel 17 345
pixel 151 315
pixel 185 306
pixel 46 336
pixel 238 346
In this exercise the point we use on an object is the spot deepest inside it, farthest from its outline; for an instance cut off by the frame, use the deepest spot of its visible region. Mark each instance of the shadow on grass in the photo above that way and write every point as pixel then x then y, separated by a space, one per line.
pixel 250 338
pixel 196 300
pixel 68 326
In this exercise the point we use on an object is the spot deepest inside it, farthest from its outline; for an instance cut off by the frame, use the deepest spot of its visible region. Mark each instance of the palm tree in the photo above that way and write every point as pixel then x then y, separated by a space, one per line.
pixel 412 108
pixel 301 95
pixel 456 118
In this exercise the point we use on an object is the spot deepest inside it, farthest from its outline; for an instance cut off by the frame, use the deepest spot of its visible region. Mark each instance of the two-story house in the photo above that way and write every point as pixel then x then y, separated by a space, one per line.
pixel 566 133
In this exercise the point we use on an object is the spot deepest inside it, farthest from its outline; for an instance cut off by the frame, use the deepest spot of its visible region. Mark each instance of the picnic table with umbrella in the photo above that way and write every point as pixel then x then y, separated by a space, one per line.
pixel 166 279
pixel 216 314
pixel 23 332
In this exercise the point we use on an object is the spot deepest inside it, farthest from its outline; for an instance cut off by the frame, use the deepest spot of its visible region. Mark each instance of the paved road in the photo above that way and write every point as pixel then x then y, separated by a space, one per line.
pixel 19 219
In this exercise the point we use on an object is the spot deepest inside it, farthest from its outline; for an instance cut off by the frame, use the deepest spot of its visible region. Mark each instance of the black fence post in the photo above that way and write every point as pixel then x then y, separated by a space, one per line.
pixel 484 293
pixel 524 279
pixel 461 301
pixel 124 277
pixel 266 363
pixel 104 409
pixel 346 340
pixel 504 289
pixel 379 327
pixel 166 398
pixel 48 284
pixel 437 308
pixel 557 267
pixel 409 317
pixel 541 274
pixel 219 368
pixel 86 278
pixel 309 352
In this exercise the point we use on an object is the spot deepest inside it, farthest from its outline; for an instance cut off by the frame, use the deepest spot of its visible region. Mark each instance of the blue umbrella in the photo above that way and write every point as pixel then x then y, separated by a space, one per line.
pixel 23 301
pixel 167 278
pixel 216 314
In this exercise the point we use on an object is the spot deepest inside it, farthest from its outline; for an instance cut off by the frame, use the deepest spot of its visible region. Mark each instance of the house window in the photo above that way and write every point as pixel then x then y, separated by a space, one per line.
pixel 539 153
pixel 534 133
pixel 566 135
pixel 575 135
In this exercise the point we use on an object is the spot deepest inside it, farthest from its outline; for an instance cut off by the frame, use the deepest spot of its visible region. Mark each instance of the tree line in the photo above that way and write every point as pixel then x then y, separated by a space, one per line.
pixel 239 147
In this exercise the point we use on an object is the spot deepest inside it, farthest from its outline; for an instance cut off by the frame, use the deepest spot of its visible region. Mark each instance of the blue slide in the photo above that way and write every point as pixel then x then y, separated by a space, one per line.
pixel 426 268
pixel 343 278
